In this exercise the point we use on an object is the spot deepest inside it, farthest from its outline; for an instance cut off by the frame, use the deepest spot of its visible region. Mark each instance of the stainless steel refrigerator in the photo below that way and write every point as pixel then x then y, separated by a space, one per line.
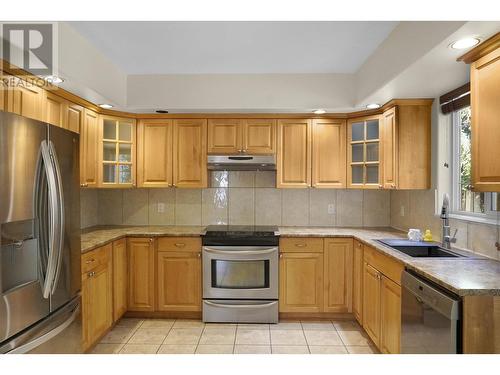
pixel 39 237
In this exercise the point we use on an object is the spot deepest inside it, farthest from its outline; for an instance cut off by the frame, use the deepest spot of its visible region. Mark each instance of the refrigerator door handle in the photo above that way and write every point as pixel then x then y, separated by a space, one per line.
pixel 60 211
pixel 53 219
pixel 25 348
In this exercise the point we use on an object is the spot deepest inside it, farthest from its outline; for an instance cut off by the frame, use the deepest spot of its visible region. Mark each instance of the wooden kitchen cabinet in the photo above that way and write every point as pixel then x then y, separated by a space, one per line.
pixel 224 136
pixel 190 153
pixel 294 153
pixel 141 274
pixel 54 109
pixel 89 136
pixel 371 302
pixel 329 153
pixel 25 98
pixel 116 152
pixel 363 153
pixel 97 294
pixel 357 281
pixel 406 146
pixel 390 316
pixel 75 115
pixel 249 136
pixel 154 153
pixel 179 281
pixel 120 278
pixel 485 112
pixel 338 266
pixel 179 274
pixel 259 136
pixel 301 282
pixel 390 149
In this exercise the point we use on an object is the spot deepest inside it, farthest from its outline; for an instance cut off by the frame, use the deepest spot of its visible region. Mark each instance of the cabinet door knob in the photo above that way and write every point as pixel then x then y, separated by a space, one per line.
pixel 151 240
pixel 199 255
pixel 84 185
pixel 281 255
pixel 380 186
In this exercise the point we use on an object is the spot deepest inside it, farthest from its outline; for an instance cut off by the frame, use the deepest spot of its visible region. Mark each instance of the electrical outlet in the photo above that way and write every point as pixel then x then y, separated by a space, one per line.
pixel 331 209
pixel 161 208
pixel 402 211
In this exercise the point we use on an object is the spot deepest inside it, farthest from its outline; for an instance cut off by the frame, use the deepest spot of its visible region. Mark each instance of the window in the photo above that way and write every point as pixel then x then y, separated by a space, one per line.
pixel 465 201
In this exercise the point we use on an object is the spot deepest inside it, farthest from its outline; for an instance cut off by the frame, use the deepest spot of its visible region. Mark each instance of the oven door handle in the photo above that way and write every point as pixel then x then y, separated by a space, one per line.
pixel 259 305
pixel 242 252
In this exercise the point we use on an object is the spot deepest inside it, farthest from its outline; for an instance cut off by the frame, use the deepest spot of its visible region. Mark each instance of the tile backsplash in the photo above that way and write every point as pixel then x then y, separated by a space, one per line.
pixel 416 209
pixel 237 198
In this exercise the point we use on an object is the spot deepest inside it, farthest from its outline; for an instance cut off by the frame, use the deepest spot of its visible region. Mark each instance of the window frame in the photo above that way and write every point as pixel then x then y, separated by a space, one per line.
pixel 490 200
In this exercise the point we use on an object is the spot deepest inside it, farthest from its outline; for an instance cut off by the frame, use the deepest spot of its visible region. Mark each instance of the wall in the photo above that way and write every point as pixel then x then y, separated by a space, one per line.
pixel 238 198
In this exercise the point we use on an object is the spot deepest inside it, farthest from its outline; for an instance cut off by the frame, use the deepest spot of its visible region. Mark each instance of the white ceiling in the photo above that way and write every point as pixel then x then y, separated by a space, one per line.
pixel 235 47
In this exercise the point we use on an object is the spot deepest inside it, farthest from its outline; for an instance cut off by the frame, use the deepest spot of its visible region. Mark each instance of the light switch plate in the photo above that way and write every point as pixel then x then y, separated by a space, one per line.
pixel 161 208
pixel 331 209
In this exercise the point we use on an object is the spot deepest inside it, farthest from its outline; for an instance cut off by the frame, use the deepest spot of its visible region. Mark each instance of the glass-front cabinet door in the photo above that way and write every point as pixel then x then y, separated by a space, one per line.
pixel 363 169
pixel 117 152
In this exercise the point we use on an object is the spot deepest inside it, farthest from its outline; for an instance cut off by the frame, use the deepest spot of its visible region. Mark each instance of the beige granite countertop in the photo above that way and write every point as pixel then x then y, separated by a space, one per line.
pixel 95 237
pixel 473 275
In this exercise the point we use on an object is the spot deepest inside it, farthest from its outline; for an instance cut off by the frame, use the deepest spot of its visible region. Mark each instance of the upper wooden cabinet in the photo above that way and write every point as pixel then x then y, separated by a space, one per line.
pixel 294 154
pixel 54 109
pixel 406 146
pixel 259 136
pixel 329 153
pixel 224 136
pixel 74 117
pixel 89 136
pixel 363 154
pixel 233 136
pixel 338 257
pixel 190 153
pixel 485 110
pixel 116 160
pixel 25 99
pixel 141 274
pixel 154 153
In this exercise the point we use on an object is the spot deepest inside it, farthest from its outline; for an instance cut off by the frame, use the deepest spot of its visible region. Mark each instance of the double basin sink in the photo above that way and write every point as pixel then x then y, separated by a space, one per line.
pixel 420 249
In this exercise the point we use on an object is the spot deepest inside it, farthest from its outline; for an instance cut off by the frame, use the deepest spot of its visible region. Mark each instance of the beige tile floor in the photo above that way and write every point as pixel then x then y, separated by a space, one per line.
pixel 171 336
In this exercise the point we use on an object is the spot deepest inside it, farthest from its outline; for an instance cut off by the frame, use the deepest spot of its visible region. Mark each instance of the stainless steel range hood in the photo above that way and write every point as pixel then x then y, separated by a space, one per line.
pixel 241 162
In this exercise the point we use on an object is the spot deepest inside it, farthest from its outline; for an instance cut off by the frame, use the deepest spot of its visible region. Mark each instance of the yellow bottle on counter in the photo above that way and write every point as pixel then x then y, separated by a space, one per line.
pixel 427 236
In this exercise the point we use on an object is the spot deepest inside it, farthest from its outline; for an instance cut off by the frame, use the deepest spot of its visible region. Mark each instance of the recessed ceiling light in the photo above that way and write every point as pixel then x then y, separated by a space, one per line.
pixel 106 106
pixel 373 106
pixel 161 111
pixel 319 111
pixel 465 43
pixel 55 80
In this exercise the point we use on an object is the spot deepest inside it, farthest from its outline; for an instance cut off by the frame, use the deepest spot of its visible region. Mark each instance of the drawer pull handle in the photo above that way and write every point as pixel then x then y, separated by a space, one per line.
pixel 91 274
pixel 180 244
pixel 90 261
pixel 301 244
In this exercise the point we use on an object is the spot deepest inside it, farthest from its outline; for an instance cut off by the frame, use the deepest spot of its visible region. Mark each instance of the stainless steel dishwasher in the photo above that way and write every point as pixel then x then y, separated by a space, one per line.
pixel 430 318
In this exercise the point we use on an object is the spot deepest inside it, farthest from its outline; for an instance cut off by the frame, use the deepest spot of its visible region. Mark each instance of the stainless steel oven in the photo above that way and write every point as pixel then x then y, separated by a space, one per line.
pixel 240 275
pixel 243 272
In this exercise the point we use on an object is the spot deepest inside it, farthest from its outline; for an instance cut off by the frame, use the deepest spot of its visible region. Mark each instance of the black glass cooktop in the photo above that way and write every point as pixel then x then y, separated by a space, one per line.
pixel 241 235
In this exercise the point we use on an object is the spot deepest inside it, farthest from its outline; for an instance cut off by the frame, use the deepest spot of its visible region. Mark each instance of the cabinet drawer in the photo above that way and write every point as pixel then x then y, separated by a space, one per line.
pixel 389 267
pixel 96 258
pixel 301 245
pixel 179 244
